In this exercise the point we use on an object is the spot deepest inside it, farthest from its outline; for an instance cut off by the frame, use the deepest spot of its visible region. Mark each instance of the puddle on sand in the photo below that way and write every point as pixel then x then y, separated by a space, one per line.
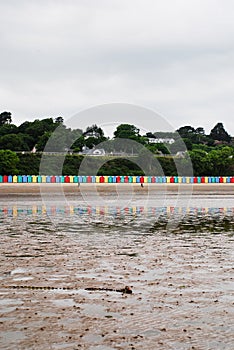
pixel 18 270
pixel 12 336
pixel 9 305
pixel 94 310
pixel 64 302
pixel 22 278
pixel 97 310
pixel 93 338
pixel 8 309
pixel 101 347
pixel 10 302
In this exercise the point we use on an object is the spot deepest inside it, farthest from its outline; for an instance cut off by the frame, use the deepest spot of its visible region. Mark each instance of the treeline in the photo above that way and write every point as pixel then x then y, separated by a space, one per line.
pixel 211 154
pixel 216 163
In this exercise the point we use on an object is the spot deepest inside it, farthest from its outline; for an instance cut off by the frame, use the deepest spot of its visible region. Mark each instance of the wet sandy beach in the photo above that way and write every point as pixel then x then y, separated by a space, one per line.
pixel 182 283
pixel 16 188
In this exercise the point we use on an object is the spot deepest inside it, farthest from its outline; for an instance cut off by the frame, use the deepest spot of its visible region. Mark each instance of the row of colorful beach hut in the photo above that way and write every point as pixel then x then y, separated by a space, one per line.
pixel 114 179
pixel 54 210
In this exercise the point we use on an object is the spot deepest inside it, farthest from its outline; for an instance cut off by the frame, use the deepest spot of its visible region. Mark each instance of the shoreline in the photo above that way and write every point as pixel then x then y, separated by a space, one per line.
pixel 37 188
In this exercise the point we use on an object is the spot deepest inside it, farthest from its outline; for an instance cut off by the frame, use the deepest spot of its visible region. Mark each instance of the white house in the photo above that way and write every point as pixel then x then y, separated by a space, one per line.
pixel 161 140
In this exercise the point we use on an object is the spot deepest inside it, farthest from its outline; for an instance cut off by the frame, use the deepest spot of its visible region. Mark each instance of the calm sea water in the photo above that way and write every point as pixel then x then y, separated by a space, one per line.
pixel 177 255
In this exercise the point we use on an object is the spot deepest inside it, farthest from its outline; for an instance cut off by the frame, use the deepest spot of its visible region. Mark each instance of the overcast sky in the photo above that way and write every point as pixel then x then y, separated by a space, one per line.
pixel 173 56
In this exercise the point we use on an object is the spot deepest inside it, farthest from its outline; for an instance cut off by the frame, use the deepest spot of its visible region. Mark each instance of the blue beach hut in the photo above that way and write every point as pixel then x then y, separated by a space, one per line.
pixel 75 179
pixel 176 180
pixel 158 179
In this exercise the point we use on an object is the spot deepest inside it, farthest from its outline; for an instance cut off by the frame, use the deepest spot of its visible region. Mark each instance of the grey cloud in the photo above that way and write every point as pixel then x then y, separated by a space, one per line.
pixel 175 57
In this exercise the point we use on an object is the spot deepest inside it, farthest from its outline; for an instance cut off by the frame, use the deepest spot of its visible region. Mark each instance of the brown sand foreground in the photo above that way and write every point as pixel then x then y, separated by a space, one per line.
pixel 22 188
pixel 182 283
pixel 182 290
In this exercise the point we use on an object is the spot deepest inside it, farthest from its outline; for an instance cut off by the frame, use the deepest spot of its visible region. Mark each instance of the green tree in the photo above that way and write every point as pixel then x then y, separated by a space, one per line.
pixel 13 142
pixel 185 131
pixel 78 144
pixel 221 161
pixel 168 166
pixel 8 162
pixel 94 131
pixel 58 140
pixel 181 145
pixel 59 120
pixel 166 134
pixel 200 161
pixel 219 133
pixel 29 163
pixel 42 141
pixel 91 141
pixel 202 147
pixel 5 118
pixel 150 135
pixel 157 148
pixel 8 129
pixel 200 131
pixel 127 131
pixel 93 136
pixel 38 128
pixel 188 132
pixel 194 135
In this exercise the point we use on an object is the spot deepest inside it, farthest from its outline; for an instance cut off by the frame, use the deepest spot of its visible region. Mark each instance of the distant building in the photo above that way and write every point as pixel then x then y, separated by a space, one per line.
pixel 161 140
pixel 181 154
pixel 97 152
pixel 94 152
